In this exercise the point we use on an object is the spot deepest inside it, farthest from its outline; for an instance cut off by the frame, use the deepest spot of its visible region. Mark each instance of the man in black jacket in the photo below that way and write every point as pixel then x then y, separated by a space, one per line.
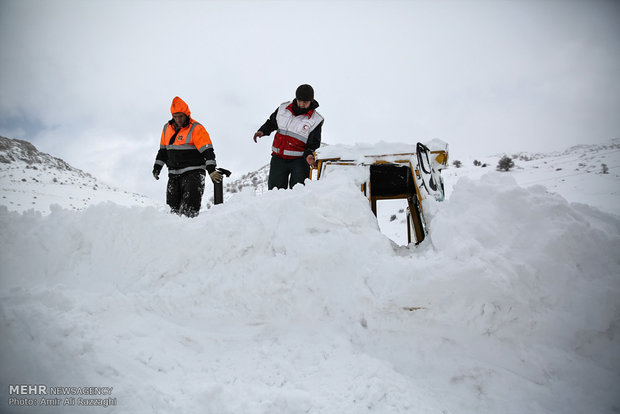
pixel 186 149
pixel 298 134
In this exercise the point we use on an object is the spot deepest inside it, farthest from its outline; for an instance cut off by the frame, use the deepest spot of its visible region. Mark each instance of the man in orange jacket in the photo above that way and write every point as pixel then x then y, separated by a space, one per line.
pixel 186 149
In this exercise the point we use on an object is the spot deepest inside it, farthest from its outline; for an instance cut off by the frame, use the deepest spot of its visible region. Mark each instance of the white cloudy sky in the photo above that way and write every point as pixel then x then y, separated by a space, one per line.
pixel 92 81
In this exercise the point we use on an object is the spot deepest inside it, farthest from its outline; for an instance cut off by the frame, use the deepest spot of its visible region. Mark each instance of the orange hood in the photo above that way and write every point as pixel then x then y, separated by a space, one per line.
pixel 179 105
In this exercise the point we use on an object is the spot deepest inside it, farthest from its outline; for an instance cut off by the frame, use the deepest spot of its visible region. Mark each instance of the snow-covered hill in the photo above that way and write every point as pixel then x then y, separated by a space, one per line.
pixel 295 302
pixel 587 174
pixel 254 181
pixel 30 179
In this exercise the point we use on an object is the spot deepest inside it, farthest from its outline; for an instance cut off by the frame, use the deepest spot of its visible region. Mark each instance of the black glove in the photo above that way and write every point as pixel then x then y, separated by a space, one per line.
pixel 156 173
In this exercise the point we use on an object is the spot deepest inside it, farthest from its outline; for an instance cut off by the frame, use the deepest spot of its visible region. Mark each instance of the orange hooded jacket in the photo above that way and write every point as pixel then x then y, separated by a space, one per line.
pixel 187 148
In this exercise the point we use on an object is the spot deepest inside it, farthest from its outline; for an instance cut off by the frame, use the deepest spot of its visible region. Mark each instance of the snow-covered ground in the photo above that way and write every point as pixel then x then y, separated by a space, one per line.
pixel 32 180
pixel 576 174
pixel 295 301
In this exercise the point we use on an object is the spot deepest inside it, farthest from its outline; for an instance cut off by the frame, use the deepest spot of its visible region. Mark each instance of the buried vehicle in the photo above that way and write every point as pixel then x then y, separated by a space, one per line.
pixel 392 171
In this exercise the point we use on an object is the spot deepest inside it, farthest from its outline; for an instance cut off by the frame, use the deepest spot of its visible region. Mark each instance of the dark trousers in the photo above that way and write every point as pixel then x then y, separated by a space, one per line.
pixel 286 173
pixel 184 192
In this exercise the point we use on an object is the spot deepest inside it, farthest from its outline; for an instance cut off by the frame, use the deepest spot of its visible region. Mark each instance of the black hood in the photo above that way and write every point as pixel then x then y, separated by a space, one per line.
pixel 299 111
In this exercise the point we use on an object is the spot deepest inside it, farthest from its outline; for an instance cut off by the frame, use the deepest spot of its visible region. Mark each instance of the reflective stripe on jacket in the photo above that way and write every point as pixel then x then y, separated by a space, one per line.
pixel 293 131
pixel 186 152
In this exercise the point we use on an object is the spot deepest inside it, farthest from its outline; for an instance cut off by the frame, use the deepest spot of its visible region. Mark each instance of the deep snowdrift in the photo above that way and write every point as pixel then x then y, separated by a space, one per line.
pixel 294 301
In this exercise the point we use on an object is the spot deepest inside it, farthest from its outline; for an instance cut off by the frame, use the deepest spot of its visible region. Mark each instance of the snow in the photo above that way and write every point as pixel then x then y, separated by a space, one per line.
pixel 361 152
pixel 294 301
pixel 30 179
pixel 575 174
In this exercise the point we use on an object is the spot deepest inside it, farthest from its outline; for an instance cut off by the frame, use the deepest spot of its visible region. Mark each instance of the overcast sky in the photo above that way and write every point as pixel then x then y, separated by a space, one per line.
pixel 92 81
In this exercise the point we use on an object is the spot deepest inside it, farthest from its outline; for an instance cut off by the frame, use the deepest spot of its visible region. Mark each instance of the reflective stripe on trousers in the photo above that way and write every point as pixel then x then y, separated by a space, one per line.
pixel 182 170
pixel 288 153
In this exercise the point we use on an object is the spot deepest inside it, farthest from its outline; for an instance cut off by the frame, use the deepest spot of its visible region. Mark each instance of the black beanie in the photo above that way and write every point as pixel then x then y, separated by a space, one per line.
pixel 304 93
